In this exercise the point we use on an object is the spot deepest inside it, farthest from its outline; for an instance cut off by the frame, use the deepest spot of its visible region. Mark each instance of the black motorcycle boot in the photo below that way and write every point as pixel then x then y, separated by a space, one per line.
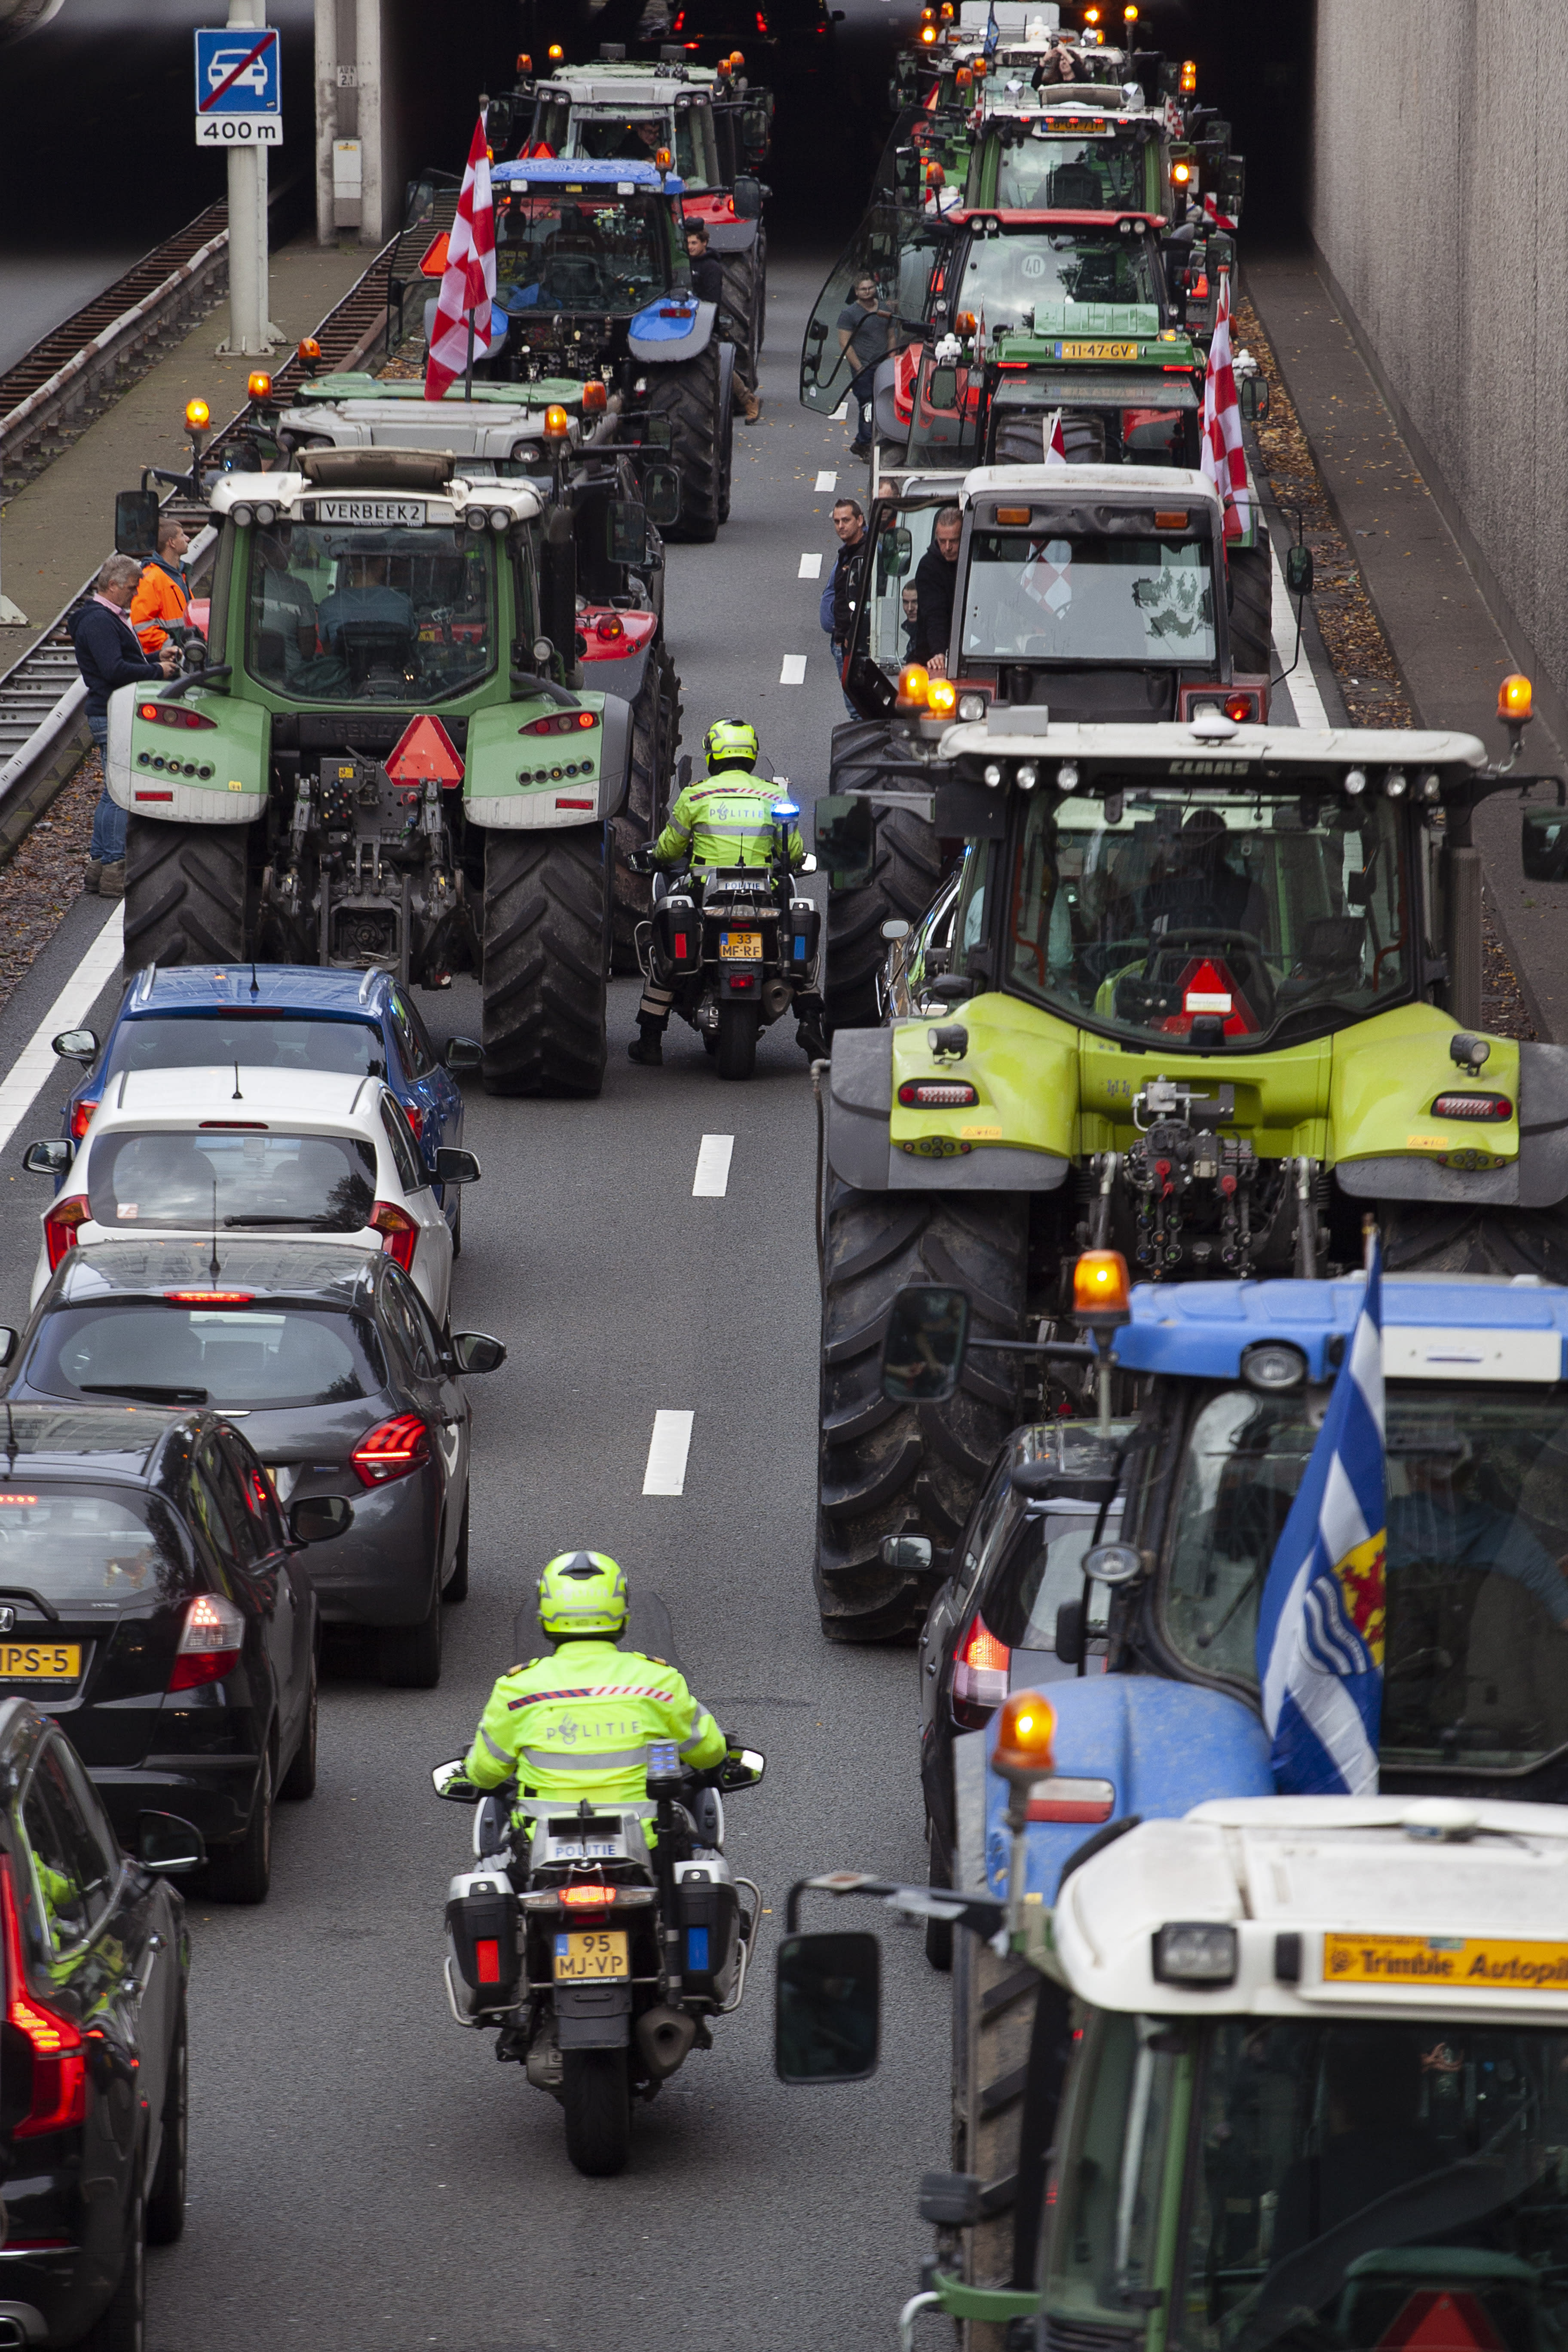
pixel 809 1035
pixel 648 1045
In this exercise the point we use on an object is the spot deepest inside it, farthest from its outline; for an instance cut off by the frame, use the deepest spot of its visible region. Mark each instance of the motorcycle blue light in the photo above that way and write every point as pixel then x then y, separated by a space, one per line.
pixel 785 811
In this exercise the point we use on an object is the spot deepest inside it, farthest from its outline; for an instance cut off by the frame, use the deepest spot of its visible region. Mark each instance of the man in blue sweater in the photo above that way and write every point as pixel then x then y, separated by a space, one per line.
pixel 109 654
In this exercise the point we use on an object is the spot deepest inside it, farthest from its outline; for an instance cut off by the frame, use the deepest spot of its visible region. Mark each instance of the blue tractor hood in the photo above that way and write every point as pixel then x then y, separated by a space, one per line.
pixel 620 176
pixel 1162 1747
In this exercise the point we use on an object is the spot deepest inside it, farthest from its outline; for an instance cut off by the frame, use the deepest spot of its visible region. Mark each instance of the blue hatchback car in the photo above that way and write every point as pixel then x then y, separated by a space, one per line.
pixel 279 1016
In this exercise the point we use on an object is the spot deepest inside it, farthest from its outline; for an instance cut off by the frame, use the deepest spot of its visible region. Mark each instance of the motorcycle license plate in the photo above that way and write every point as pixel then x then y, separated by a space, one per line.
pixel 740 946
pixel 591 1955
pixel 41 1662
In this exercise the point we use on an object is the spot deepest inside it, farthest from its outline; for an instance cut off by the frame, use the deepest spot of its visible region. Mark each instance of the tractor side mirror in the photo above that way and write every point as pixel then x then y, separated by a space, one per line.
pixel 627 531
pixel 923 1348
pixel 662 494
pixel 1298 570
pixel 843 839
pixel 827 2016
pixel 1252 392
pixel 136 522
pixel 748 195
pixel 1543 843
pixel 896 551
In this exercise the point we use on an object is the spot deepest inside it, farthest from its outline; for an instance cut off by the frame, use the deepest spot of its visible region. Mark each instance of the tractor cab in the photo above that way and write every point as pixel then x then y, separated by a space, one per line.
pixel 584 251
pixel 613 112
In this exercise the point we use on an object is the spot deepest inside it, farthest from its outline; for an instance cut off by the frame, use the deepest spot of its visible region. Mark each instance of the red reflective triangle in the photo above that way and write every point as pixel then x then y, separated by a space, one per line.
pixel 1432 2319
pixel 425 750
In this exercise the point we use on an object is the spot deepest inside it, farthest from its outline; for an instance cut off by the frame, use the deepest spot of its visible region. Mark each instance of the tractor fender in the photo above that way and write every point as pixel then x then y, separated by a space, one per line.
pixel 732 236
pixel 615 755
pixel 622 677
pixel 1538 1179
pixel 890 424
pixel 659 341
pixel 1163 1748
pixel 860 1149
pixel 546 807
pixel 242 741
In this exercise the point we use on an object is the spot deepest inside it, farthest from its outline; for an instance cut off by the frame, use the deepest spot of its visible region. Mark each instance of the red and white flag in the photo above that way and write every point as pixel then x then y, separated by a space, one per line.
pixel 1056 447
pixel 469 282
pixel 1216 217
pixel 1222 458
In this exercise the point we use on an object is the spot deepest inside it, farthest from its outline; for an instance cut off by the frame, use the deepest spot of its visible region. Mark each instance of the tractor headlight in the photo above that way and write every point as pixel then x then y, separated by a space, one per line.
pixel 501 518
pixel 475 517
pixel 1273 1365
pixel 1194 1954
pixel 242 515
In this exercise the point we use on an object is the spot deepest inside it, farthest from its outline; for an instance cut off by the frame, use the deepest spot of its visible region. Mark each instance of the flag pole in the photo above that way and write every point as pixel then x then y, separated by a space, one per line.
pixel 468 372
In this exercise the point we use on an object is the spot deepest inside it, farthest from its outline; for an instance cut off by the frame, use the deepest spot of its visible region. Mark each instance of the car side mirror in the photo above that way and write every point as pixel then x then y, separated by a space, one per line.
pixel 827 2014
pixel 743 1769
pixel 166 1845
pixel 317 1518
pixel 662 494
pixel 451 1781
pixel 748 195
pixel 1543 843
pixel 913 1554
pixel 455 1166
pixel 1298 570
pixel 77 1046
pixel 50 1158
pixel 923 1348
pixel 136 522
pixel 8 1338
pixel 626 533
pixel 463 1054
pixel 476 1352
pixel 1252 392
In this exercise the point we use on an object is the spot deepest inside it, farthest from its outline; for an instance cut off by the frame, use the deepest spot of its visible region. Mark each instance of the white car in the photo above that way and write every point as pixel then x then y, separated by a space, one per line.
pixel 218 1152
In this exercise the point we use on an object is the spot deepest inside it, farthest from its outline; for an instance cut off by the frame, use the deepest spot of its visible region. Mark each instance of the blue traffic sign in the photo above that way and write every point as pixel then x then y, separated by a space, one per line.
pixel 238 72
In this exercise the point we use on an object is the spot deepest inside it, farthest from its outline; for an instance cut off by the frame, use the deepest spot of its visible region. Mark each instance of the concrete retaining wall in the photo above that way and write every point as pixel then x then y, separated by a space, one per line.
pixel 1439 165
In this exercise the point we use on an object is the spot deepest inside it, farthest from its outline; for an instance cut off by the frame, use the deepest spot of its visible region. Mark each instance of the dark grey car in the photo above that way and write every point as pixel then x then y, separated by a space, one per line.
pixel 334 1368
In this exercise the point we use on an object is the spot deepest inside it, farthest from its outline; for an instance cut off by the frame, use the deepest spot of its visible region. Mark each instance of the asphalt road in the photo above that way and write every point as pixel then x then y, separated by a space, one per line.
pixel 364 2175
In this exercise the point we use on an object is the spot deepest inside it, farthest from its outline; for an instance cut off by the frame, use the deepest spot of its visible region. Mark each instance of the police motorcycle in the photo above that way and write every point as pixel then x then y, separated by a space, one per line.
pixel 737 945
pixel 599 1964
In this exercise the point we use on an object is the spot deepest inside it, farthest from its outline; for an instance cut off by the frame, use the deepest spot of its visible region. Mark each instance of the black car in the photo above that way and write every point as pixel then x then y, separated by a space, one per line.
pixel 152 1603
pixel 336 1368
pixel 992 1627
pixel 94 1959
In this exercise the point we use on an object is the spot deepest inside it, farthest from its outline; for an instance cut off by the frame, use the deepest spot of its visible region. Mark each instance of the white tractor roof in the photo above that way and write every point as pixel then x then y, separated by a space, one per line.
pixel 1213 747
pixel 1370 1906
pixel 1168 484
pixel 367 504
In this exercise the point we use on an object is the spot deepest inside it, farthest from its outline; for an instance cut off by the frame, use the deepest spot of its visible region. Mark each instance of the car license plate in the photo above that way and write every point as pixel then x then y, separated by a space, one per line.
pixel 740 946
pixel 380 511
pixel 592 1956
pixel 41 1662
pixel 1097 350
pixel 1454 1963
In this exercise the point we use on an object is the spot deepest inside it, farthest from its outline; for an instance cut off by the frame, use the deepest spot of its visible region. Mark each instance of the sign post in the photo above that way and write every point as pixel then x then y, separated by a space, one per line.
pixel 239 112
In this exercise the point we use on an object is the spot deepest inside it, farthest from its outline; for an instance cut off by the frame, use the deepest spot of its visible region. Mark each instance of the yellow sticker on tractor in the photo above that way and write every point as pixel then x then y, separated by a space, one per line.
pixel 1457 1963
pixel 1426 1143
pixel 983 1134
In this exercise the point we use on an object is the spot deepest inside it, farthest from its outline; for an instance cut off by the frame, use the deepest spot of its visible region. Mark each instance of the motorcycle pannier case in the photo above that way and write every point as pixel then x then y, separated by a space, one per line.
pixel 710 1916
pixel 483 1929
pixel 678 935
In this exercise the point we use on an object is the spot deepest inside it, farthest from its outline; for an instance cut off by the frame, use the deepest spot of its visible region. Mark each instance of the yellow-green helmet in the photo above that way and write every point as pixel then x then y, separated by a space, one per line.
pixel 729 741
pixel 581 1592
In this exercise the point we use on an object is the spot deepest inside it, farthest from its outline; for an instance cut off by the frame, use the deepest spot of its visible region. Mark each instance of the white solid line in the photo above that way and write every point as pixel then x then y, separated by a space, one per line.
pixel 841 414
pixel 793 673
pixel 1302 685
pixel 810 568
pixel 828 481
pixel 711 1181
pixel 666 1452
pixel 70 1008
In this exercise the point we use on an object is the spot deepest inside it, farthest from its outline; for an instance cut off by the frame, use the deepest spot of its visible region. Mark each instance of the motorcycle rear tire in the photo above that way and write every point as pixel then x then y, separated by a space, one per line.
pixel 738 1039
pixel 596 2094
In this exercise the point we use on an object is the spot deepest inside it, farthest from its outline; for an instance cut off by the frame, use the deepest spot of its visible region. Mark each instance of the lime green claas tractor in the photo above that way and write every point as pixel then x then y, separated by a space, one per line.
pixel 1213 997
pixel 378 764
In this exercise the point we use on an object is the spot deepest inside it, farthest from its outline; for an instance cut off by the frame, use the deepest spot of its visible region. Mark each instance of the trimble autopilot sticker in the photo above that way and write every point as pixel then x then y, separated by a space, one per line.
pixel 1451 1963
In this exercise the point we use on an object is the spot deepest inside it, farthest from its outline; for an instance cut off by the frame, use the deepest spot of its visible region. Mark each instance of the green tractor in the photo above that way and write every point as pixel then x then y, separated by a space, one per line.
pixel 1214 996
pixel 380 761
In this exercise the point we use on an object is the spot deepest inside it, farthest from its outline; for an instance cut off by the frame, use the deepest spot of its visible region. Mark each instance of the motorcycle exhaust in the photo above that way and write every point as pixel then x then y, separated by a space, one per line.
pixel 777 997
pixel 664 2036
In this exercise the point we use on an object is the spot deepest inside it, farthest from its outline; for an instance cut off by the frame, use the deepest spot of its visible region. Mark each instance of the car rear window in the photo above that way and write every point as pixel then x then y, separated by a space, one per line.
pixel 254 1179
pixel 257 1041
pixel 1043 1568
pixel 222 1356
pixel 70 1543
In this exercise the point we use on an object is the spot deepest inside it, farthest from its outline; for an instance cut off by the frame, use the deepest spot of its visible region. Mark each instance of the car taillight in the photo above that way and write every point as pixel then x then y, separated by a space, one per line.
pixel 391 1450
pixel 980 1670
pixel 1482 1106
pixel 81 1114
pixel 936 1094
pixel 59 2059
pixel 400 1230
pixel 416 1118
pixel 587 1898
pixel 60 1225
pixel 210 1642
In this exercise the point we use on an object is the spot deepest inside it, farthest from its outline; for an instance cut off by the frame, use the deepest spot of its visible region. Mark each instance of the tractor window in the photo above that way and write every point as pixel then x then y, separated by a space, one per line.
pixel 401 615
pixel 969 922
pixel 1103 2248
pixel 1476 1664
pixel 1075 175
pixel 1089 600
pixel 1004 276
pixel 891 621
pixel 580 249
pixel 1146 909
pixel 1369 2182
pixel 882 277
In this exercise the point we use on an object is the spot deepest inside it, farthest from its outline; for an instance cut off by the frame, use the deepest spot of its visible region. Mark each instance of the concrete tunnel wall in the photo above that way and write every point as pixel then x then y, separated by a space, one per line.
pixel 1440 157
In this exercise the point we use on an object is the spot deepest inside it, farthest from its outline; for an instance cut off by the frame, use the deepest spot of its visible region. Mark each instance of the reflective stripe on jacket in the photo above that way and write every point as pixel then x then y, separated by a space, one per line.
pixel 578 1724
pixel 726 819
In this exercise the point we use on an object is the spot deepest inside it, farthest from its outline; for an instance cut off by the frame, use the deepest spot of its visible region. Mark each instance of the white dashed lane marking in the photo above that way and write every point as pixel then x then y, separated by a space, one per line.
pixel 793 672
pixel 666 1452
pixel 37 1060
pixel 711 1181
pixel 810 568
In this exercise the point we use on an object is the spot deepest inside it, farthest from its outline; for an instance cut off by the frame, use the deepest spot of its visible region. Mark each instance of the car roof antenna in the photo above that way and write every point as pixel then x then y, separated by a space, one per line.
pixel 237 1096
pixel 254 984
pixel 214 1269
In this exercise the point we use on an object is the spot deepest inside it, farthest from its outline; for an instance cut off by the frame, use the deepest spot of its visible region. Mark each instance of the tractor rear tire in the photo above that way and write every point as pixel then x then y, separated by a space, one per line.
pixel 690 397
pixel 740 313
pixel 888 1469
pixel 906 870
pixel 546 948
pixel 1423 1237
pixel 188 893
pixel 994 2005
pixel 1252 609
pixel 656 724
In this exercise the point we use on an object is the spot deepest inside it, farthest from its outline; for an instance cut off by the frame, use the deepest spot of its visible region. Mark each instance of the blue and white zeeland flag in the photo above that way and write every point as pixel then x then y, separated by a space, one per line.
pixel 992 32
pixel 1322 1619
